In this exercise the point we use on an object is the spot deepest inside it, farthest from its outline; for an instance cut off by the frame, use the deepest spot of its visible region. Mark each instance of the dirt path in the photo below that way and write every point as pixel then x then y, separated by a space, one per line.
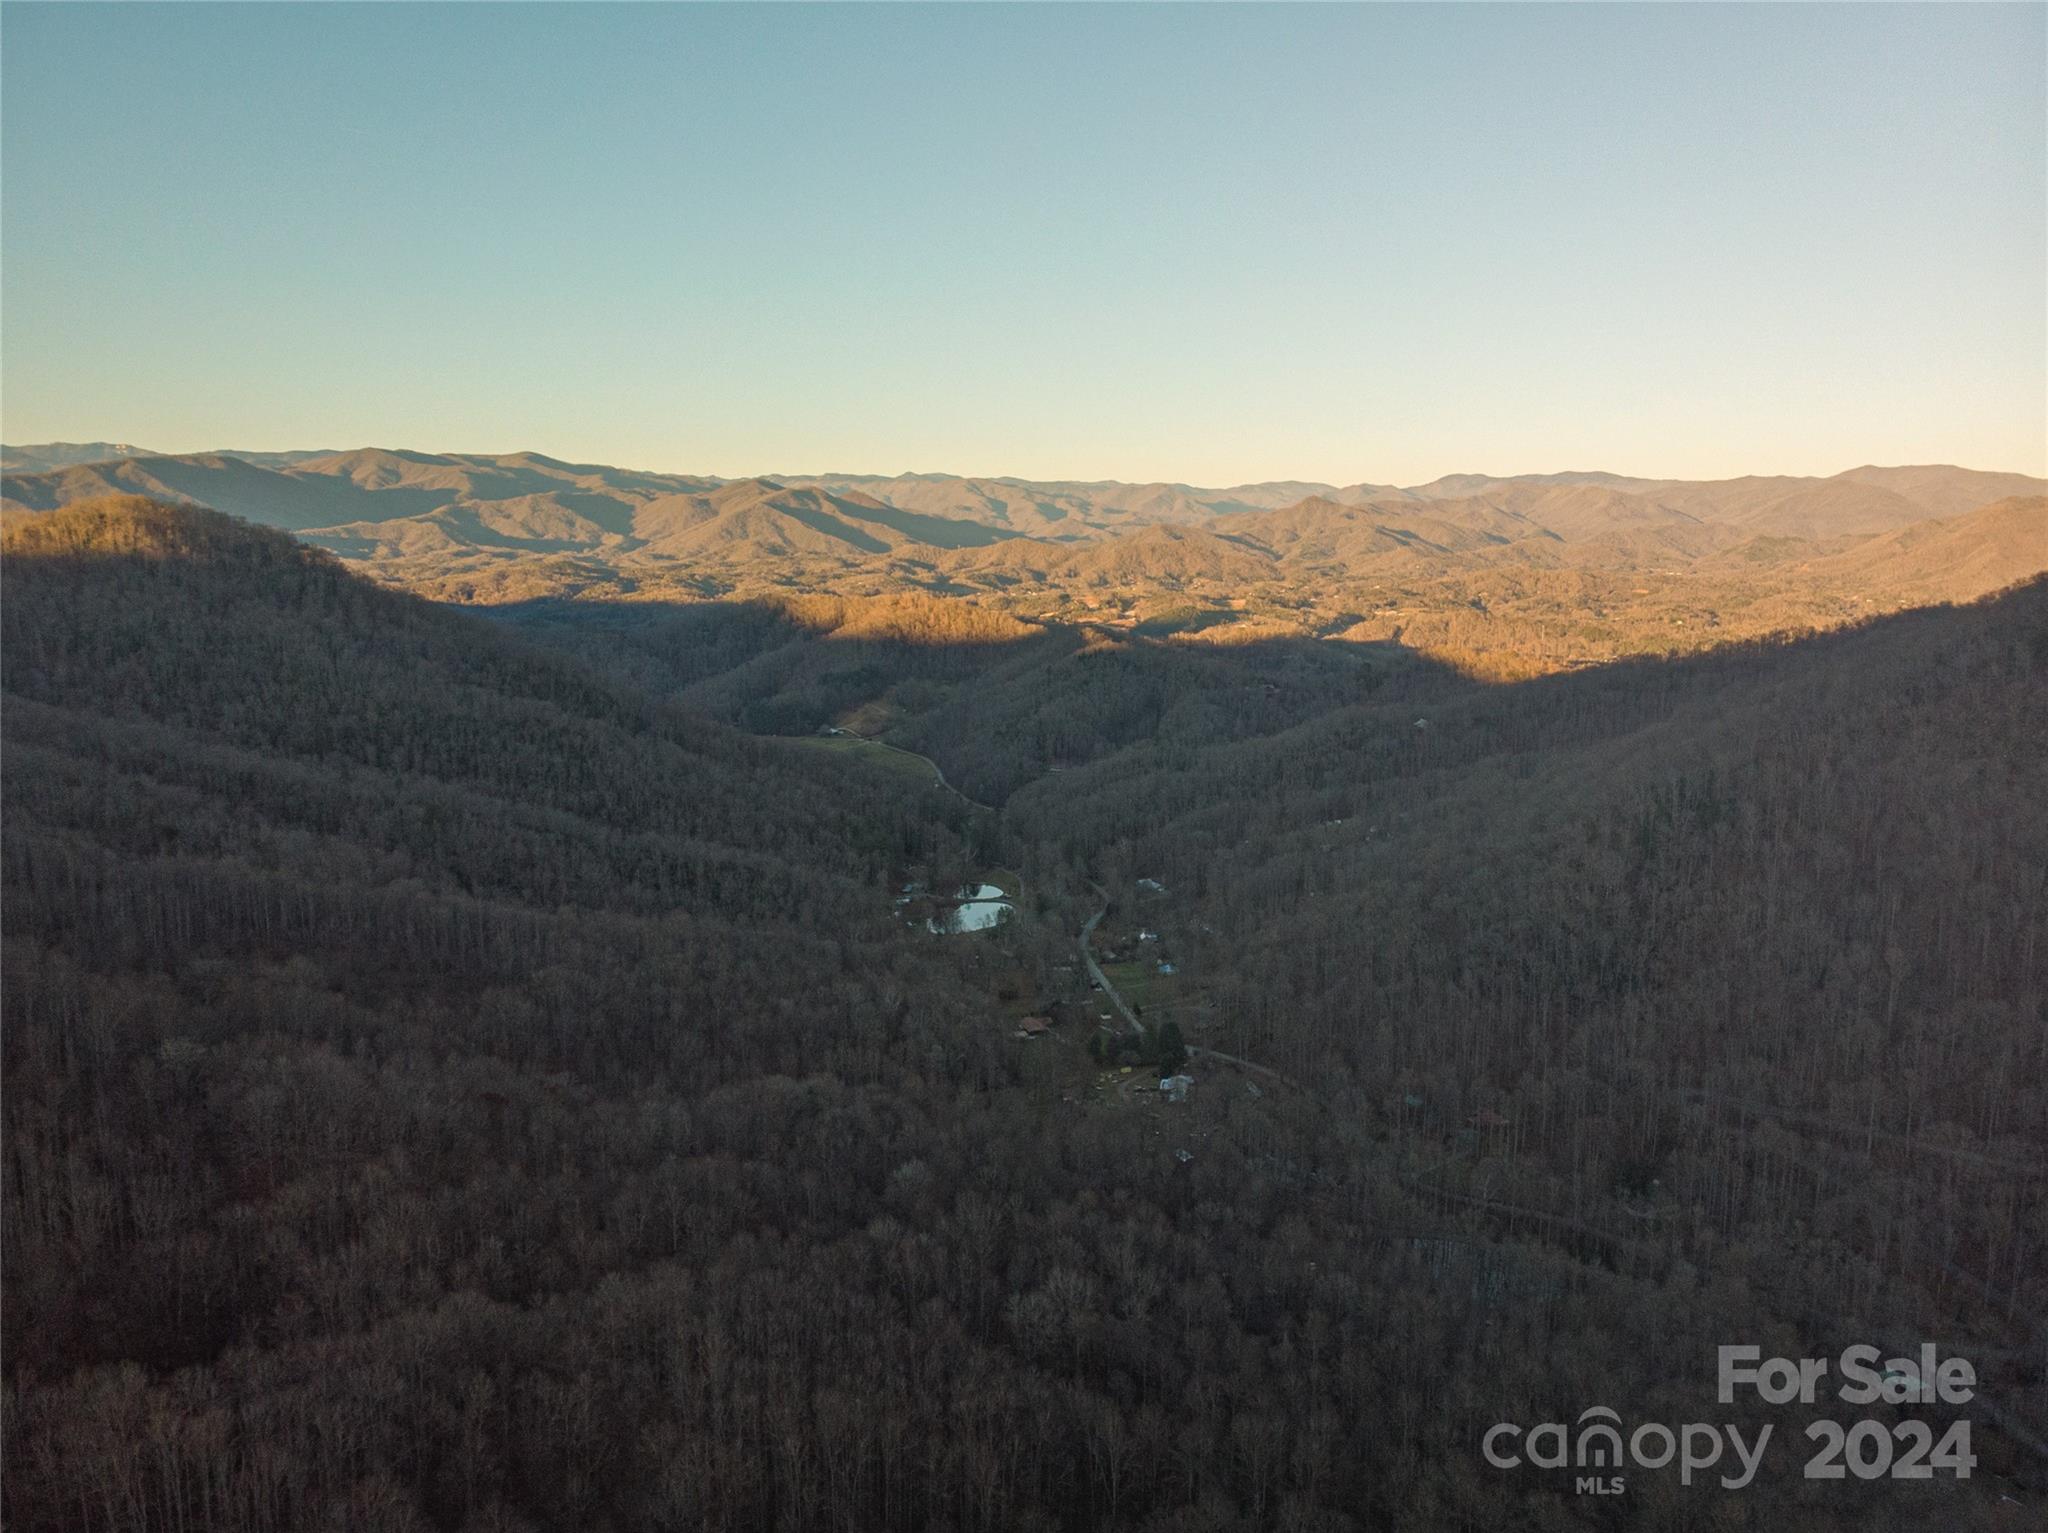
pixel 1095 969
pixel 938 772
pixel 1196 1051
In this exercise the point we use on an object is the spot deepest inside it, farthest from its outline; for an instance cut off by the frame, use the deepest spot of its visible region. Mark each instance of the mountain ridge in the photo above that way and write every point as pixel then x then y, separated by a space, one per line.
pixel 493 528
pixel 1943 489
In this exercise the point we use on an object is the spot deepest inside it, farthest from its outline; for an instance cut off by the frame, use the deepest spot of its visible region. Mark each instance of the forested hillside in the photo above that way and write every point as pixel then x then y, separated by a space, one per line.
pixel 1002 701
pixel 1639 912
pixel 457 1079
pixel 1505 577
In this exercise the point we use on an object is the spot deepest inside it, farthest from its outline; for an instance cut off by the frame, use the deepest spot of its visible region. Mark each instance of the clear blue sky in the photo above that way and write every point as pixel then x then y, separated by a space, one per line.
pixel 1207 244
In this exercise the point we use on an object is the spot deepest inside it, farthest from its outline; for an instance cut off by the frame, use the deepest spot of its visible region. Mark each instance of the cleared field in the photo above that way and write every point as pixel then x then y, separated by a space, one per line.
pixel 1140 983
pixel 873 751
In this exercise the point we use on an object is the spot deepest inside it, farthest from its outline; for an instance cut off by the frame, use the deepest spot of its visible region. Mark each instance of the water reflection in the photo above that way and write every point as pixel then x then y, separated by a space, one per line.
pixel 973 908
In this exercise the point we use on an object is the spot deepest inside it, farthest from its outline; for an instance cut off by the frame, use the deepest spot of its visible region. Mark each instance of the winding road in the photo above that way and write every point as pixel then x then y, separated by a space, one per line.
pixel 938 772
pixel 1095 970
pixel 1197 1051
pixel 1194 1050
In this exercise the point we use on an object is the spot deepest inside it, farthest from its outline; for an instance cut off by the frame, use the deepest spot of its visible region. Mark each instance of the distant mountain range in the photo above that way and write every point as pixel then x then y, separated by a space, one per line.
pixel 502 527
pixel 48 455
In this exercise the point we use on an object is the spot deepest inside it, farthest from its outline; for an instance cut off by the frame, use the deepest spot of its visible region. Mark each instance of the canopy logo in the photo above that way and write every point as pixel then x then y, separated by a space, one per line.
pixel 1868 1449
pixel 1596 1443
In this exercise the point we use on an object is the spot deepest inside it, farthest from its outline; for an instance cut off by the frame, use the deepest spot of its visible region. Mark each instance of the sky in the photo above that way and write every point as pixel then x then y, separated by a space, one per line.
pixel 1212 244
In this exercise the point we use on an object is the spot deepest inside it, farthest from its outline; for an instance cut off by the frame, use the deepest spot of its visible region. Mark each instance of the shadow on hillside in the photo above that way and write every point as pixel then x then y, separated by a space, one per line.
pixel 1001 702
pixel 999 710
pixel 997 701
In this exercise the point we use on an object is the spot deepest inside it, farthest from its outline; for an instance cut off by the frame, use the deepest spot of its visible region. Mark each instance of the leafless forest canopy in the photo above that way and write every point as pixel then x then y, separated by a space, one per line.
pixel 469 1071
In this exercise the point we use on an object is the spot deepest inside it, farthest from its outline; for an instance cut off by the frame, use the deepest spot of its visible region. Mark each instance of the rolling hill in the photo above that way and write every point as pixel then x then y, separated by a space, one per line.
pixel 376 487
pixel 1685 562
pixel 1957 559
pixel 1943 489
pixel 1161 553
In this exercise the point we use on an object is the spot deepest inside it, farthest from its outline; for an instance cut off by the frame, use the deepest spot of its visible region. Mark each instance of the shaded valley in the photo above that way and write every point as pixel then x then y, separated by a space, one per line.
pixel 467 1072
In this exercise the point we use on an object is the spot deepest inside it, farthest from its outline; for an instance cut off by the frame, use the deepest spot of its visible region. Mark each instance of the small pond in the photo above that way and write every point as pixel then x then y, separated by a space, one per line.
pixel 972 908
